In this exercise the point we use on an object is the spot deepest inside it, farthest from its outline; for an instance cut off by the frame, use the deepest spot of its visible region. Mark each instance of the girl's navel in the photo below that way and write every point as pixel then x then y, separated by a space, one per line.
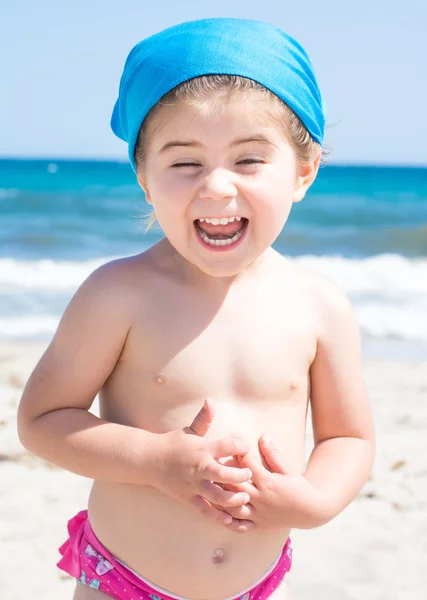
pixel 218 555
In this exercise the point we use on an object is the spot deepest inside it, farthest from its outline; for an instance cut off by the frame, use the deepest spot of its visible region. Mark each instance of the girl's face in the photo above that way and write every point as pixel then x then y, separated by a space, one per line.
pixel 221 186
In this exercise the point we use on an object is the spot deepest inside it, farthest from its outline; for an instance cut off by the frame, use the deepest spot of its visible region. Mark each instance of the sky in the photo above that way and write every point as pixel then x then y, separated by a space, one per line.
pixel 61 62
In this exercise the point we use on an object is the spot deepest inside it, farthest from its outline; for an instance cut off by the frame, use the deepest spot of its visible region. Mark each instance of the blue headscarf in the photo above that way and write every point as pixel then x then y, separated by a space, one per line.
pixel 224 46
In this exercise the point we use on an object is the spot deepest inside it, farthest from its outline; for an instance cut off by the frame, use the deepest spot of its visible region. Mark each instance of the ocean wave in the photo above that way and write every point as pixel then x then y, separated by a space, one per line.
pixel 384 274
pixel 28 327
pixel 388 292
pixel 47 275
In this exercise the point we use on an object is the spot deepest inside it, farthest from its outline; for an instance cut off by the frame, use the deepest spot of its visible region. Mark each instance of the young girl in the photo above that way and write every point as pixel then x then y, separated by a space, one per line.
pixel 207 348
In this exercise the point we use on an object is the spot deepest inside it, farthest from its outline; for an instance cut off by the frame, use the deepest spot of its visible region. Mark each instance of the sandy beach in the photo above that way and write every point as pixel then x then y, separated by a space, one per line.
pixel 375 550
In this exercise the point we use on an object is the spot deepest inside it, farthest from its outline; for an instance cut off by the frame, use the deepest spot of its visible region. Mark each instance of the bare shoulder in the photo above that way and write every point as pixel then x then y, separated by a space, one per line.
pixel 119 284
pixel 109 300
pixel 89 340
pixel 328 301
pixel 120 275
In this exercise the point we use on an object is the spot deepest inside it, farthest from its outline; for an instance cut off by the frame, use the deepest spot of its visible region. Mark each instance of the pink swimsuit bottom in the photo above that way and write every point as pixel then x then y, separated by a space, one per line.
pixel 86 559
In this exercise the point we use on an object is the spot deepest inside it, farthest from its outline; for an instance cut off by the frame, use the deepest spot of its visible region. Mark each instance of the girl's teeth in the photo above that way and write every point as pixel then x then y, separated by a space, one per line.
pixel 220 221
pixel 208 240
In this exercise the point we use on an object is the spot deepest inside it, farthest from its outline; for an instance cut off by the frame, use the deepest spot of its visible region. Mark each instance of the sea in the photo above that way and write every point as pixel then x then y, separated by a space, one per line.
pixel 365 227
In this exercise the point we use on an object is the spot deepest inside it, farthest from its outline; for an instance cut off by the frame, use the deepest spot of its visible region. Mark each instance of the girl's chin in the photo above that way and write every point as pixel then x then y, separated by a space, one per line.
pixel 225 268
pixel 217 264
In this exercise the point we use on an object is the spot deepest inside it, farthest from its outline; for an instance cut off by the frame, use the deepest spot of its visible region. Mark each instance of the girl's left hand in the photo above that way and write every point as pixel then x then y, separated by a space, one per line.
pixel 280 497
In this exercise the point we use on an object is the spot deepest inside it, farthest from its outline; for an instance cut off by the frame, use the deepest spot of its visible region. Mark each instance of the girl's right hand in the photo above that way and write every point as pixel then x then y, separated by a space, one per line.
pixel 189 468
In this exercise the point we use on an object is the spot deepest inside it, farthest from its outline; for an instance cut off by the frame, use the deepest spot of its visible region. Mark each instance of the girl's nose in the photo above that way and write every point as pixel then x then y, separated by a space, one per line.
pixel 217 185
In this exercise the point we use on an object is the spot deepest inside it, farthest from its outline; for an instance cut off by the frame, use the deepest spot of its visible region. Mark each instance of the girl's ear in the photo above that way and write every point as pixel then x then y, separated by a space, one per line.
pixel 143 184
pixel 306 175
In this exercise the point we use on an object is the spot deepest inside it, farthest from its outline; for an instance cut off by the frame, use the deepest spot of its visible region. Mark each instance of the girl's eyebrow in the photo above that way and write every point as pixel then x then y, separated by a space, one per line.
pixel 194 144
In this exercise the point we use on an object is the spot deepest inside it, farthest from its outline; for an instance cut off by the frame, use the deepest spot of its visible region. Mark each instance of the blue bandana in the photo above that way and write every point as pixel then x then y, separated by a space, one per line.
pixel 242 47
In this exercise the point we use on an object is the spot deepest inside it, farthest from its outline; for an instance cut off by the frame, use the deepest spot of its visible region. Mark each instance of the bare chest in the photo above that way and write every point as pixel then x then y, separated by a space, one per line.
pixel 238 358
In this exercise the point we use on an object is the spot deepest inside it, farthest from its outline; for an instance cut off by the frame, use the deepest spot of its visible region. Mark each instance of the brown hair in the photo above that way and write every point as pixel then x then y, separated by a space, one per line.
pixel 208 92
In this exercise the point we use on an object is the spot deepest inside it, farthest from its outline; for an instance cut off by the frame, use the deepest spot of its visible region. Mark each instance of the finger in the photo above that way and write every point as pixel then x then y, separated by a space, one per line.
pixel 245 512
pixel 222 474
pixel 210 512
pixel 240 526
pixel 246 486
pixel 274 459
pixel 223 518
pixel 202 421
pixel 218 496
pixel 231 446
pixel 255 466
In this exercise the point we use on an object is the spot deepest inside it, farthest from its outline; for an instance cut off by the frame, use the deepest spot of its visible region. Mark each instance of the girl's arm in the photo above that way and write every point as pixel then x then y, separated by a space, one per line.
pixel 53 417
pixel 343 428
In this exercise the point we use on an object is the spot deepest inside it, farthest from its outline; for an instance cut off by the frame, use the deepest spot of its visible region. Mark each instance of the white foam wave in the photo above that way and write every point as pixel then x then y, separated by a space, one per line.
pixel 28 327
pixel 388 291
pixel 383 274
pixel 46 275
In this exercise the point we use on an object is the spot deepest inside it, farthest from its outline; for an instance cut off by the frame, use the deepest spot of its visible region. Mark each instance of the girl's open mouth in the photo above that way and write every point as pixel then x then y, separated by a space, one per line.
pixel 221 233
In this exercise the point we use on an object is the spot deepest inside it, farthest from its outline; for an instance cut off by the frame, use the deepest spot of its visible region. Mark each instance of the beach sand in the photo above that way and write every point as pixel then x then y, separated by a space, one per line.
pixel 375 550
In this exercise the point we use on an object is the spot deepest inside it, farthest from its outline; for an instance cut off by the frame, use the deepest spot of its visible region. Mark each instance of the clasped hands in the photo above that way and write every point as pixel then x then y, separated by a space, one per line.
pixel 247 495
pixel 280 496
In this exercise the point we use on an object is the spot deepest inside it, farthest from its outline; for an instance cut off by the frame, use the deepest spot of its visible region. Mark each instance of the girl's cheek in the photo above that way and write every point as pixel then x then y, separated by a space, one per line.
pixel 175 183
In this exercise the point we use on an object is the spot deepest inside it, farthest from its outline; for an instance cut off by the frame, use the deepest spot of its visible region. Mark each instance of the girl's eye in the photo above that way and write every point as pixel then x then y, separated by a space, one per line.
pixel 184 164
pixel 245 161
pixel 251 161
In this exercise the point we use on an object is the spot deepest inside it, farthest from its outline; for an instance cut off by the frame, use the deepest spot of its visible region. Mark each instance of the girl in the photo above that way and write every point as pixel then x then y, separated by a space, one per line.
pixel 207 348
